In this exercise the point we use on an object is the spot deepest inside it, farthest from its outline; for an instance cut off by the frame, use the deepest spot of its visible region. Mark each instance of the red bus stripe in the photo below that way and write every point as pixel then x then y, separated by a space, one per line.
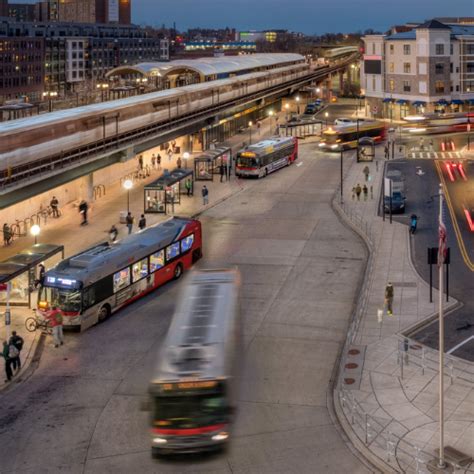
pixel 188 431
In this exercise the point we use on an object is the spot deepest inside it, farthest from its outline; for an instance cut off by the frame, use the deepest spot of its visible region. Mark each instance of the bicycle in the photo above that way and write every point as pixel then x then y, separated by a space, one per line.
pixel 35 323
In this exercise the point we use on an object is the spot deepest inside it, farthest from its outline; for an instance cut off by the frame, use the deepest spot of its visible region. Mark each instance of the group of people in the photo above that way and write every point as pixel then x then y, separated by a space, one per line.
pixel 358 190
pixel 129 221
pixel 11 352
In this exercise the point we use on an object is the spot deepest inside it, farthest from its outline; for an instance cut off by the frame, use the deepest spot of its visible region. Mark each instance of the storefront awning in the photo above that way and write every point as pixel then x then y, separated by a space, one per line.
pixel 469 101
pixel 442 102
pixel 386 100
pixel 402 101
pixel 457 102
pixel 418 103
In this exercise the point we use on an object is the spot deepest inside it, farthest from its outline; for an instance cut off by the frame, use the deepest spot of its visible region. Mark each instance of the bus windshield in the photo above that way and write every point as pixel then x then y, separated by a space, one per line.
pixel 66 300
pixel 189 411
pixel 246 161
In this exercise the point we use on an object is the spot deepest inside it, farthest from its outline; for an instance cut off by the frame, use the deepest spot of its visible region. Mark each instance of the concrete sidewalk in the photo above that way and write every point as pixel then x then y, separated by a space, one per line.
pixel 104 212
pixel 387 394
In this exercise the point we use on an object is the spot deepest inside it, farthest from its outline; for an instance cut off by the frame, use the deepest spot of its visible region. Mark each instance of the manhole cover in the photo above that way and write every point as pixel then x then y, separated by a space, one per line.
pixel 354 352
pixel 349 381
pixel 415 347
pixel 351 365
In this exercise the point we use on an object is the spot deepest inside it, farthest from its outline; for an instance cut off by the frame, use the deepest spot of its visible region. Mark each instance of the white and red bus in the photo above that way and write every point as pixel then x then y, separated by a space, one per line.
pixel 266 156
pixel 90 286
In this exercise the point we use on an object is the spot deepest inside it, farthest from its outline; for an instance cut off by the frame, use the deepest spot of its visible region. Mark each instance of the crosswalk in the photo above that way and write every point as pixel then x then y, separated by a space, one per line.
pixel 435 155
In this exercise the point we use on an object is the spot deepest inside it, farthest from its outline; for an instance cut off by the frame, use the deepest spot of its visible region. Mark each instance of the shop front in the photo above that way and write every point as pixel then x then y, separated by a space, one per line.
pixel 209 163
pixel 20 273
pixel 163 194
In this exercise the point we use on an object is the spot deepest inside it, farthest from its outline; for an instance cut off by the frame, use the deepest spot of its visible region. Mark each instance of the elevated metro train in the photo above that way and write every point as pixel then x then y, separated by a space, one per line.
pixel 24 141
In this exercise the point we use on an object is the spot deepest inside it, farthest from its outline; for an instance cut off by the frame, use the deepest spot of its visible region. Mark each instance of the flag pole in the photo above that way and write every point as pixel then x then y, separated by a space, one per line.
pixel 441 252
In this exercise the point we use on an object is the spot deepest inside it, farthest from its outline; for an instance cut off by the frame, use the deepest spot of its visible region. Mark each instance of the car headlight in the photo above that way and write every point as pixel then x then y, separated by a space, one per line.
pixel 220 436
pixel 160 440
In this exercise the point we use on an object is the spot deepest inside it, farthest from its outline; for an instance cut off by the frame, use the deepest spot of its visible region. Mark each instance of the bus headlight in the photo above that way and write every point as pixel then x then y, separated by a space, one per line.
pixel 322 144
pixel 222 436
pixel 159 440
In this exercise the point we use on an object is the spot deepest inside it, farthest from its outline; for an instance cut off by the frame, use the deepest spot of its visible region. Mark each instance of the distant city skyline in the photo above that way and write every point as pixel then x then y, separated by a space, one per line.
pixel 307 16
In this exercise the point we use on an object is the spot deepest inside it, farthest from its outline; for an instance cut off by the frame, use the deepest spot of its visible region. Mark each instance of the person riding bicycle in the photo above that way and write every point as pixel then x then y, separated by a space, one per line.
pixel 413 223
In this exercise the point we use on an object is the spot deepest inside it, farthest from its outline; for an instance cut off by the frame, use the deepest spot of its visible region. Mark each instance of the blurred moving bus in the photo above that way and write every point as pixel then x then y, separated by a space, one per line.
pixel 193 393
pixel 266 156
pixel 345 136
pixel 90 286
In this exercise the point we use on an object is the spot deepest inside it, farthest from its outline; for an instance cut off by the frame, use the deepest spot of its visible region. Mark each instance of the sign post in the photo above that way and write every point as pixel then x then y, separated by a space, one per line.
pixel 7 287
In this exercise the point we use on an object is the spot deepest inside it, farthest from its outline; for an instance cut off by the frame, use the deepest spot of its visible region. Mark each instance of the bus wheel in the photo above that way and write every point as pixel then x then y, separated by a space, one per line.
pixel 104 313
pixel 178 271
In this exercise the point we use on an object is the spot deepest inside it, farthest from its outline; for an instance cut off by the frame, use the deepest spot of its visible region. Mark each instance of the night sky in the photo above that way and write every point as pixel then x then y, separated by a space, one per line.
pixel 308 16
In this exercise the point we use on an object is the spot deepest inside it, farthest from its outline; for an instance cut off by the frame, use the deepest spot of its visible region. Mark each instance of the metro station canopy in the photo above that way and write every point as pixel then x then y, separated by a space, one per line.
pixel 207 69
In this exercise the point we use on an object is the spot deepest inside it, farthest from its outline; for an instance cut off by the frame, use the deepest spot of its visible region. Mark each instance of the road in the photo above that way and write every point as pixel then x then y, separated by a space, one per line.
pixel 421 200
pixel 301 268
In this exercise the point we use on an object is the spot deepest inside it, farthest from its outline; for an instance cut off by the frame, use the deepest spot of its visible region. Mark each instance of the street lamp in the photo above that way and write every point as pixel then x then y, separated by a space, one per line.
pixel 250 132
pixel 318 90
pixel 270 114
pixel 326 115
pixel 50 95
pixel 297 104
pixel 102 86
pixel 35 231
pixel 287 108
pixel 341 149
pixel 186 156
pixel 128 184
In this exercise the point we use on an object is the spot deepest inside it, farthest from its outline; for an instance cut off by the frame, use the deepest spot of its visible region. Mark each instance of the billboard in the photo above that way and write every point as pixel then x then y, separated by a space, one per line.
pixel 113 11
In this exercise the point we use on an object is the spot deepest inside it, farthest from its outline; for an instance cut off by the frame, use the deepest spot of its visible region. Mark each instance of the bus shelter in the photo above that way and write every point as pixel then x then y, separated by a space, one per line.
pixel 301 129
pixel 209 163
pixel 21 272
pixel 366 149
pixel 162 195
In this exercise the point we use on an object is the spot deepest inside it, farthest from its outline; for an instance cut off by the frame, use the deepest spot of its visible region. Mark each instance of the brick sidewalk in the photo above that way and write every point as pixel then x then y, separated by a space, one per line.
pixel 391 411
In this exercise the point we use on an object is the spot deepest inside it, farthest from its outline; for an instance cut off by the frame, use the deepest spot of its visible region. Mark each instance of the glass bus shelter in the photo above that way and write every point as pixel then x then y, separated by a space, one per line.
pixel 21 271
pixel 208 164
pixel 162 194
pixel 301 129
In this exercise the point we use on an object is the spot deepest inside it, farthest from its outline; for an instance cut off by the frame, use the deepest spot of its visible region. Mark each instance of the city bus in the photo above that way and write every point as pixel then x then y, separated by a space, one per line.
pixel 345 136
pixel 90 286
pixel 193 393
pixel 262 158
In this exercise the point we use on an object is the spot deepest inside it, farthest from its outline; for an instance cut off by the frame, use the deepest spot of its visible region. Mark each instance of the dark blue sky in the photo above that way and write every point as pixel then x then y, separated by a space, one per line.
pixel 309 16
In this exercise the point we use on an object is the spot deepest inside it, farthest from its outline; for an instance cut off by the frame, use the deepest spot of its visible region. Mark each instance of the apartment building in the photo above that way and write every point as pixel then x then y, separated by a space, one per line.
pixel 429 68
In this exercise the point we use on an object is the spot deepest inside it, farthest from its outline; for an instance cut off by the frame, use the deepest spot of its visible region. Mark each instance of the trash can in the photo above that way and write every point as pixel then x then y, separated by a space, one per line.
pixel 123 217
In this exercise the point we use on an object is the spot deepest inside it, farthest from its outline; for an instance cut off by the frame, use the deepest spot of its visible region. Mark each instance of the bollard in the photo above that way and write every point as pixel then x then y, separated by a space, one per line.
pixel 405 348
pixel 451 369
pixel 367 426
pixel 417 459
pixel 390 446
pixel 423 361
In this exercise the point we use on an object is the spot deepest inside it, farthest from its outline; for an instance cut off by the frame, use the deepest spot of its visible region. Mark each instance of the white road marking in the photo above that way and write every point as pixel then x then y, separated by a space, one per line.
pixel 459 345
pixel 299 164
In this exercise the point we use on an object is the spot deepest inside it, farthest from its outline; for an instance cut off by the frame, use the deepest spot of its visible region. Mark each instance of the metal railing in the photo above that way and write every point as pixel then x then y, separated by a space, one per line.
pixel 99 191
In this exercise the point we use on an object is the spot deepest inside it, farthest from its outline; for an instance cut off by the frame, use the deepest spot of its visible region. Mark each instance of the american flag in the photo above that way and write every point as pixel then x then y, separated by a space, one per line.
pixel 442 237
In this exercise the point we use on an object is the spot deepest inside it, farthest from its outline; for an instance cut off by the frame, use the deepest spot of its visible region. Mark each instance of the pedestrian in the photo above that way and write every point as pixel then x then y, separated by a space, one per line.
pixel 386 151
pixel 188 184
pixel 422 144
pixel 258 128
pixel 153 161
pixel 365 190
pixel 83 208
pixel 7 234
pixel 8 363
pixel 129 222
pixel 222 171
pixel 170 154
pixel 173 146
pixel 431 145
pixel 55 318
pixel 371 192
pixel 140 162
pixel 41 274
pixel 142 222
pixel 178 162
pixel 389 298
pixel 54 206
pixel 358 190
pixel 205 195
pixel 158 161
pixel 366 172
pixel 353 192
pixel 113 233
pixel 18 342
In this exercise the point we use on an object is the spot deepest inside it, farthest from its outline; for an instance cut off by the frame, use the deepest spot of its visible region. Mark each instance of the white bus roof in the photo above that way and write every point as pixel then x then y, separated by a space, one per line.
pixel 265 145
pixel 204 323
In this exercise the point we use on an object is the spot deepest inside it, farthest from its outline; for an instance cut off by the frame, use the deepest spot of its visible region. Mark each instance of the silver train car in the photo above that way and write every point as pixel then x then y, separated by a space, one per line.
pixel 27 140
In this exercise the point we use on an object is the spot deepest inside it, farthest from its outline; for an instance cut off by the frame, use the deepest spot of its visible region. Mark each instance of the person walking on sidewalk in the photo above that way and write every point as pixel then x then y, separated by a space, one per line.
pixel 83 208
pixel 55 318
pixel 389 298
pixel 129 222
pixel 140 163
pixel 54 206
pixel 113 233
pixel 205 195
pixel 170 154
pixel 358 190
pixel 8 363
pixel 142 222
pixel 18 342
pixel 222 171
pixel 7 234
pixel 365 190
pixel 178 162
pixel 188 184
pixel 366 172
pixel 158 161
pixel 153 161
pixel 41 275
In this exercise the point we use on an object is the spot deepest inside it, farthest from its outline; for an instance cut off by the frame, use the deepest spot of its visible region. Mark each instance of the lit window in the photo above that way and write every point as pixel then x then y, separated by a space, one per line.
pixel 391 67
pixel 139 270
pixel 407 68
pixel 121 279
pixel 157 261
pixel 439 87
pixel 391 84
pixel 392 49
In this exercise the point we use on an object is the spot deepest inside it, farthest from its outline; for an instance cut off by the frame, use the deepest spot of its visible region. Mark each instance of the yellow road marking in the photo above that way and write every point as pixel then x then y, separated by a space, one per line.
pixel 459 238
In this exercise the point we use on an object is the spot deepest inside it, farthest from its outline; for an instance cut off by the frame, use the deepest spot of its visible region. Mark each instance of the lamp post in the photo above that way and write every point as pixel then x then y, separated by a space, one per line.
pixel 270 114
pixel 50 95
pixel 35 231
pixel 341 149
pixel 102 86
pixel 128 184
pixel 287 108
pixel 250 132
pixel 186 156
pixel 297 104
pixel 326 115
pixel 318 91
